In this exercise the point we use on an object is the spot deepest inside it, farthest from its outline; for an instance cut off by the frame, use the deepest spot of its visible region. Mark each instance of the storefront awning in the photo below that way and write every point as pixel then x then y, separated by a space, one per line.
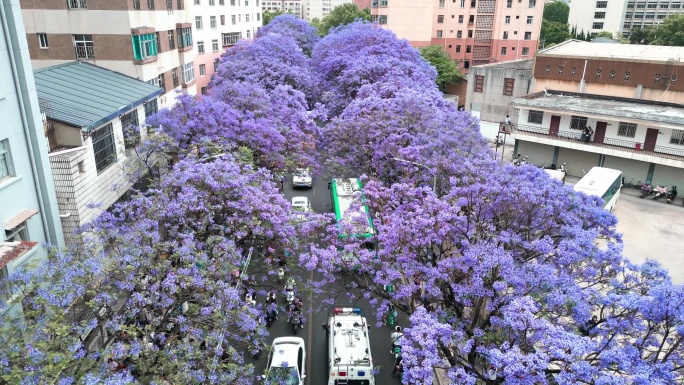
pixel 18 219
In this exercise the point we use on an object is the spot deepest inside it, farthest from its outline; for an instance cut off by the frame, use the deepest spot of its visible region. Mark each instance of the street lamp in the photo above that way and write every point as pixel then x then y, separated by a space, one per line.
pixel 434 179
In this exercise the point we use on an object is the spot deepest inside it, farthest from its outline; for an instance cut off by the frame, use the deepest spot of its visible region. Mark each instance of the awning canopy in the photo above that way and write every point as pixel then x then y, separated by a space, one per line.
pixel 18 219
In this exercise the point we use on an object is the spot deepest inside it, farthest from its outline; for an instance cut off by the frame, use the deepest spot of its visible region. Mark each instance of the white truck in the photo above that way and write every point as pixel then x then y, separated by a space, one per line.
pixel 349 354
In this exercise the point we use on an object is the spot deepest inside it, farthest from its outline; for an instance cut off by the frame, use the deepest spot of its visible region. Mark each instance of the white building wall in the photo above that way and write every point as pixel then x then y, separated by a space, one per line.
pixel 621 15
pixel 318 9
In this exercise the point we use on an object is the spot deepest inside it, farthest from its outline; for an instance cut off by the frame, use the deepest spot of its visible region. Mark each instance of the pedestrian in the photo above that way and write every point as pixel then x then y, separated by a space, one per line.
pixel 281 177
pixel 587 134
pixel 507 121
pixel 398 365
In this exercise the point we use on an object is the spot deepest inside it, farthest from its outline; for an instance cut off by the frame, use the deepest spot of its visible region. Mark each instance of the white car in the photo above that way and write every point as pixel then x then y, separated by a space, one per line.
pixel 285 364
pixel 301 205
pixel 302 178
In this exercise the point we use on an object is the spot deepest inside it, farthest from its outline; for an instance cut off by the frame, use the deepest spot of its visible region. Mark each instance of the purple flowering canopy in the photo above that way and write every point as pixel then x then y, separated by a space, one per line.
pixel 303 33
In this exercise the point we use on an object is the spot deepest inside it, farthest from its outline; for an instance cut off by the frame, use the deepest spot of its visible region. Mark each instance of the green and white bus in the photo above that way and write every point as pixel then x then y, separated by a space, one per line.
pixel 347 192
pixel 604 183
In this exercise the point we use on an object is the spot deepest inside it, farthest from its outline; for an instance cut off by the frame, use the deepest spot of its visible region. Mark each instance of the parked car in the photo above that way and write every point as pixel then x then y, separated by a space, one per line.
pixel 286 362
pixel 302 178
pixel 301 205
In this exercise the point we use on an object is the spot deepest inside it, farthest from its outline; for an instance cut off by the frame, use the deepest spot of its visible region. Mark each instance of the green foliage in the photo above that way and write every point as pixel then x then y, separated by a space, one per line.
pixel 640 35
pixel 269 15
pixel 670 32
pixel 554 33
pixel 447 72
pixel 604 34
pixel 557 12
pixel 342 15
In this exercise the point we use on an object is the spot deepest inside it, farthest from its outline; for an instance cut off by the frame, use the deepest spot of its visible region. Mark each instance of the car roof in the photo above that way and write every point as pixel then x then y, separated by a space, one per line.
pixel 299 200
pixel 286 350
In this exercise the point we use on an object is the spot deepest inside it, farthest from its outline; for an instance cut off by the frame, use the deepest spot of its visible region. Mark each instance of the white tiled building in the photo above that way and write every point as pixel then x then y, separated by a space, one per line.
pixel 318 9
pixel 295 7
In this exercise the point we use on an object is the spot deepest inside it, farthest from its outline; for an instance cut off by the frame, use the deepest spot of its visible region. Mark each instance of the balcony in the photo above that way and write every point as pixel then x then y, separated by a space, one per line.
pixel 85 52
pixel 572 139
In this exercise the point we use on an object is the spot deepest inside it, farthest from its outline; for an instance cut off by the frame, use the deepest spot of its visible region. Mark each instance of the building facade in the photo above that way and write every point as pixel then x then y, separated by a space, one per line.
pixel 28 205
pixel 318 9
pixel 150 40
pixel 295 7
pixel 628 96
pixel 363 4
pixel 218 25
pixel 621 16
pixel 473 32
pixel 93 116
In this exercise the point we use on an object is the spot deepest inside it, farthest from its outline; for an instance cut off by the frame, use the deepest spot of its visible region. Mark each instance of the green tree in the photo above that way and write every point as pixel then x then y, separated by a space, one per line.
pixel 344 14
pixel 447 72
pixel 604 34
pixel 556 11
pixel 553 33
pixel 670 32
pixel 269 15
pixel 640 35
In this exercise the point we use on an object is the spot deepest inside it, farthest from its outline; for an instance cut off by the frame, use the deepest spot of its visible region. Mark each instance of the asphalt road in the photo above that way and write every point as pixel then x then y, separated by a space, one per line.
pixel 313 333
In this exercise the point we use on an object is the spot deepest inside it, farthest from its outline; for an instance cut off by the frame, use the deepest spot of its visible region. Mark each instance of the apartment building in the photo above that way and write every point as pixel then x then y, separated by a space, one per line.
pixel 295 7
pixel 620 16
pixel 318 9
pixel 630 96
pixel 28 205
pixel 363 4
pixel 219 25
pixel 150 40
pixel 473 32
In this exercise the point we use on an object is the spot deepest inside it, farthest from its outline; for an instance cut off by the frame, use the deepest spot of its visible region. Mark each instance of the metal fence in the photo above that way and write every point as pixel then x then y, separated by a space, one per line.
pixel 77 4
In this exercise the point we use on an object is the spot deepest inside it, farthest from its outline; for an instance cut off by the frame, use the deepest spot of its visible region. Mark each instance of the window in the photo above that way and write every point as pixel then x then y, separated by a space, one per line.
pixel 503 50
pixel 661 16
pixel 157 39
pixel 507 20
pixel 601 4
pixel 212 22
pixel 597 26
pixel 460 19
pixel 247 18
pixel 535 117
pixel 626 75
pixel 657 78
pixel 472 3
pixel 103 147
pixel 505 35
pixel 203 90
pixel 598 73
pixel 578 122
pixel 83 45
pixel 136 5
pixel 652 5
pixel 216 64
pixel 212 2
pixel 560 70
pixel 174 76
pixel 439 33
pixel 172 40
pixel 462 3
pixel 459 34
pixel 470 33
pixel 223 19
pixel 572 71
pixel 258 16
pixel 650 16
pixel 6 167
pixel 222 2
pixel 231 38
pixel 641 5
pixel 677 137
pixel 440 18
pixel 42 40
pixel 214 45
pixel 158 81
pixel 232 2
pixel 673 80
pixel 528 35
pixel 627 129
pixel 129 125
pixel 599 15
pixel 144 46
pixel 631 5
pixel 441 3
pixel 676 6
pixel 150 4
pixel 471 19
pixel 200 47
pixel 19 233
pixel 197 2
pixel 77 4
pixel 458 48
pixel 233 19
pixel 184 37
pixel 479 83
pixel 249 33
pixel 188 72
pixel 202 69
pixel 382 19
pixel 509 3
pixel 150 107
pixel 530 19
pixel 525 51
pixel 509 84
pixel 468 49
pixel 628 16
pixel 533 3
pixel 198 22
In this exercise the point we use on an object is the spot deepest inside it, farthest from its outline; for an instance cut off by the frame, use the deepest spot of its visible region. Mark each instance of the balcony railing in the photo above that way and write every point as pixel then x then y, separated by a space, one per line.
pixel 77 4
pixel 612 143
pixel 85 52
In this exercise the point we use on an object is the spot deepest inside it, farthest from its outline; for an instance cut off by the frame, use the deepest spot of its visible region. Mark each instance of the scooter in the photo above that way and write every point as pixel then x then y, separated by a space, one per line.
pixel 290 290
pixel 646 190
pixel 296 321
pixel 271 314
pixel 391 315
pixel 672 194
pixel 660 191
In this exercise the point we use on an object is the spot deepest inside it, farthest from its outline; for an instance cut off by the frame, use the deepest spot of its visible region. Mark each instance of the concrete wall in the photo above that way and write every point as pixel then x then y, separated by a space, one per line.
pixel 491 104
pixel 409 19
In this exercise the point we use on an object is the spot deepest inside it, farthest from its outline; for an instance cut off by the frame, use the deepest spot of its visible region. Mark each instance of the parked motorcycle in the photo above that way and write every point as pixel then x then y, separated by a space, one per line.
pixel 646 190
pixel 519 160
pixel 672 194
pixel 659 192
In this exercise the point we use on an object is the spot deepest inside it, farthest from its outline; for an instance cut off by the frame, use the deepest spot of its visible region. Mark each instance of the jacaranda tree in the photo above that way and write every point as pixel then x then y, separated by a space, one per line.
pixel 303 33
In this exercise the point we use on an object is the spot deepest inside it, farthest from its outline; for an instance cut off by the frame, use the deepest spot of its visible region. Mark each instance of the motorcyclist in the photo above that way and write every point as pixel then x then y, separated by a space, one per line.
pixel 397 337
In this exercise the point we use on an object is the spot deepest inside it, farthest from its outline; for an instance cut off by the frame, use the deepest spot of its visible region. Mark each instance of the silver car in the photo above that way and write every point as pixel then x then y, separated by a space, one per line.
pixel 302 178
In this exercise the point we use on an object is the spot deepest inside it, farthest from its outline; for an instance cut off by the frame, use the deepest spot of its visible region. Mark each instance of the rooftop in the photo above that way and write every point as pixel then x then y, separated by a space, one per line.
pixel 351 340
pixel 86 96
pixel 578 48
pixel 520 64
pixel 647 110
